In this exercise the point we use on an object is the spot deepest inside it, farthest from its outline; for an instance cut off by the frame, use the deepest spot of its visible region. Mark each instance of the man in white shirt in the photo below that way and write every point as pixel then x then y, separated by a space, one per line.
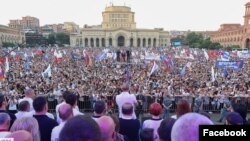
pixel 125 97
pixel 24 108
pixel 29 95
pixel 65 113
pixel 71 99
pixel 65 94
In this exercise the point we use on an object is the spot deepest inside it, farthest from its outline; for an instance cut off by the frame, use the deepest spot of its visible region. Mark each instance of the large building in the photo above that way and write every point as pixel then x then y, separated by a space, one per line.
pixel 118 28
pixel 11 35
pixel 235 34
pixel 27 23
pixel 70 27
pixel 48 29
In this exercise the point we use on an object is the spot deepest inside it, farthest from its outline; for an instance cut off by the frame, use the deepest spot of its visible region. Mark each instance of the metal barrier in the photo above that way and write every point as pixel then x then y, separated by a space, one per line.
pixel 86 104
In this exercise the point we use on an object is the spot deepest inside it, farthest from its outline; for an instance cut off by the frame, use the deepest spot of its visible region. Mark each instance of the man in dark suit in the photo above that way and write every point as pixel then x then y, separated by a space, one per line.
pixel 45 123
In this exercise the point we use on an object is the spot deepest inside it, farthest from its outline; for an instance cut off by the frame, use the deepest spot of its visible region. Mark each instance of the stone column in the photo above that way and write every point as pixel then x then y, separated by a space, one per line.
pixel 94 42
pixel 135 42
pixel 107 42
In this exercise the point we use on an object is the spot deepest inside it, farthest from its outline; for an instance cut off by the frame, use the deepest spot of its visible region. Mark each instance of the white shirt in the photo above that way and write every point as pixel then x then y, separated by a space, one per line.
pixel 125 97
pixel 30 100
pixel 21 114
pixel 75 112
pixel 154 124
pixel 56 131
pixel 12 105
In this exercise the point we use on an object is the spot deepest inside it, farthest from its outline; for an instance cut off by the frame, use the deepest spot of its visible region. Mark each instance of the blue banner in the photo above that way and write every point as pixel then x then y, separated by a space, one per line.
pixel 229 64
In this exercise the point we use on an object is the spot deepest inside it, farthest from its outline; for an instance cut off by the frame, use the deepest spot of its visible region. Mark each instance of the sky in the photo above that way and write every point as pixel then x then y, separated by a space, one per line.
pixel 195 15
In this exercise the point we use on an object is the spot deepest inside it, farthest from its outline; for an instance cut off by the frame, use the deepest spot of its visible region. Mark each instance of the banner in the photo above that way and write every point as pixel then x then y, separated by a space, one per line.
pixel 229 64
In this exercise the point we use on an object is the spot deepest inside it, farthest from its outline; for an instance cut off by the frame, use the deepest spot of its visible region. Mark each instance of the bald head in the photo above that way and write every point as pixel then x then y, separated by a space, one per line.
pixel 187 127
pixel 65 112
pixel 107 127
pixel 29 93
pixel 21 135
pixel 127 109
pixel 125 87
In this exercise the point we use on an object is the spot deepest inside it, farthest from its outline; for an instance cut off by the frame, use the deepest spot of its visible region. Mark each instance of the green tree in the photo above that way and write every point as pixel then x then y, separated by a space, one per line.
pixel 8 44
pixel 51 39
pixel 62 38
pixel 214 46
pixel 195 40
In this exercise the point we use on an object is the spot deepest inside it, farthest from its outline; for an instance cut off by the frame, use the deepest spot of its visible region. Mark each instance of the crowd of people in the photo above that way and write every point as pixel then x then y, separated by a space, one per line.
pixel 136 80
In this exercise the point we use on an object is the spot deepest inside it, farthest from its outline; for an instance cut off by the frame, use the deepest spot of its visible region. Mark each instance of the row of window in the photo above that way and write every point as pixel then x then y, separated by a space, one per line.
pixel 235 39
pixel 230 33
pixel 119 15
pixel 96 42
pixel 118 20
pixel 118 25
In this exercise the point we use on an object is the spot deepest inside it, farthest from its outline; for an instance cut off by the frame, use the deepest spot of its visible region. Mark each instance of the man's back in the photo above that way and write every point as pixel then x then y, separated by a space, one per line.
pixel 130 128
pixel 46 125
pixel 125 97
pixel 30 100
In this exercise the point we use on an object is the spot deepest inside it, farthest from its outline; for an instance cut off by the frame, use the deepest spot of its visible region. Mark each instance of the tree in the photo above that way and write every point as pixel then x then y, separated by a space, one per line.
pixel 195 40
pixel 230 48
pixel 62 38
pixel 8 44
pixel 51 39
pixel 213 46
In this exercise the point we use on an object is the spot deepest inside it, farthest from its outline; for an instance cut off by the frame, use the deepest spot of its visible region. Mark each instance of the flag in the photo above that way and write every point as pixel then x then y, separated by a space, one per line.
pixel 183 71
pixel 101 57
pixel 47 72
pixel 206 55
pixel 46 58
pixel 127 74
pixel 154 69
pixel 27 62
pixel 225 56
pixel 212 73
pixel 225 73
pixel 56 60
pixel 171 62
pixel 164 60
pixel 86 57
pixel 90 62
pixel 189 65
pixel 7 67
pixel 1 74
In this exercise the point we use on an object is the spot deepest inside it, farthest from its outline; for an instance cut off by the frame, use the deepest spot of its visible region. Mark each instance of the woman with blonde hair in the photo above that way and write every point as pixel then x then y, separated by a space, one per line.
pixel 29 124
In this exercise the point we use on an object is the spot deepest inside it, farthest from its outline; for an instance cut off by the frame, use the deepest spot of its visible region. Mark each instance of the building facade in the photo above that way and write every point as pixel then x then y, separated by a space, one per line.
pixel 11 35
pixel 118 28
pixel 234 34
pixel 70 27
pixel 27 23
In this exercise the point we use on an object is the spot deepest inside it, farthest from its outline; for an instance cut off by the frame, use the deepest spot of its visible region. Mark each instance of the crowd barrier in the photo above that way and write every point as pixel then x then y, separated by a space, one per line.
pixel 86 103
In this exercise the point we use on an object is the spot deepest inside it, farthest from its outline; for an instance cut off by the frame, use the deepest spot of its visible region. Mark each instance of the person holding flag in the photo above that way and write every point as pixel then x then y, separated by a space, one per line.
pixel 127 77
pixel 154 69
pixel 183 71
pixel 2 77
